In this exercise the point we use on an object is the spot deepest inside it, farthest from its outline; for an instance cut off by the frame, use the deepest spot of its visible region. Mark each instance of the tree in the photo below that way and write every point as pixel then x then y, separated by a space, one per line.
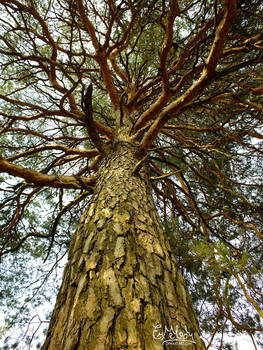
pixel 131 103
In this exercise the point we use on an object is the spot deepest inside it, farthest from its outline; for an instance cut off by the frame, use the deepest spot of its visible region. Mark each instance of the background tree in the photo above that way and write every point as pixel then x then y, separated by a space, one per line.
pixel 179 80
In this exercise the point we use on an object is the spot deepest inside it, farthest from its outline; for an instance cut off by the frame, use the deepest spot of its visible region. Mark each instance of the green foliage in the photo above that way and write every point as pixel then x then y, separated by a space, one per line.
pixel 205 163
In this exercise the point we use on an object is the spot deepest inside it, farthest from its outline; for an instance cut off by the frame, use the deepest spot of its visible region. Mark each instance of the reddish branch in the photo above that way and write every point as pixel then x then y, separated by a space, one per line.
pixel 39 179
pixel 175 107
pixel 100 55
pixel 187 50
pixel 167 44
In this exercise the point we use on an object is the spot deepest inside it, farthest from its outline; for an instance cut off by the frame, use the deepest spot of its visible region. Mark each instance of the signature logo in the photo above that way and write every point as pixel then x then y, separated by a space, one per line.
pixel 171 336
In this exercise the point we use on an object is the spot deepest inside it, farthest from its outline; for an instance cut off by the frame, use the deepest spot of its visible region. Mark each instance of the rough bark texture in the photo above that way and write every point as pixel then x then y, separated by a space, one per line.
pixel 121 279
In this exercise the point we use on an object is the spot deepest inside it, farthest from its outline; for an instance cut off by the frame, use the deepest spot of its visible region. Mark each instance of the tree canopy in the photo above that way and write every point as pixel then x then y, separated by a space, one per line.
pixel 183 80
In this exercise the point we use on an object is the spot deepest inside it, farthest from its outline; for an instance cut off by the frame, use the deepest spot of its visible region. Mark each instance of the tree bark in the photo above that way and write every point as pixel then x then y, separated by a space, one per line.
pixel 121 287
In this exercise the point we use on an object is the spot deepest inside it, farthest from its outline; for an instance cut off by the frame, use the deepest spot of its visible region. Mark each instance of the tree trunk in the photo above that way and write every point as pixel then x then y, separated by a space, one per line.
pixel 121 287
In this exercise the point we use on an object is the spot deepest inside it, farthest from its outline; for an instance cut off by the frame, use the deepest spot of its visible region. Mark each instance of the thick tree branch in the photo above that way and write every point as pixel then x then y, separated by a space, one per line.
pixel 205 78
pixel 39 179
pixel 121 44
pixel 155 108
pixel 167 44
pixel 88 25
pixel 100 55
pixel 166 94
pixel 106 73
pixel 104 130
pixel 88 119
